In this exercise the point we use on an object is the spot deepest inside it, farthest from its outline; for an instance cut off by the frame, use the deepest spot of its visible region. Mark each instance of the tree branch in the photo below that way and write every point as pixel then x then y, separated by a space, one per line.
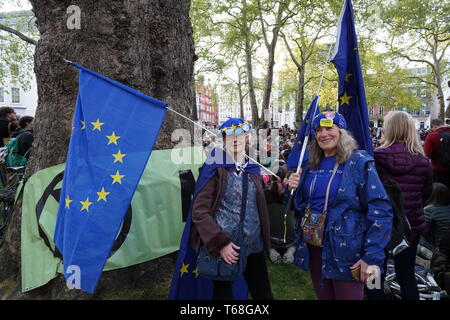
pixel 18 34
pixel 443 52
pixel 290 51
pixel 266 40
pixel 424 81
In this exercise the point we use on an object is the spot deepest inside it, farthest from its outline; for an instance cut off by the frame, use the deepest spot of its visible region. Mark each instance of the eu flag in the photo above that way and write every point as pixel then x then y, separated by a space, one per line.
pixel 114 130
pixel 352 97
pixel 305 129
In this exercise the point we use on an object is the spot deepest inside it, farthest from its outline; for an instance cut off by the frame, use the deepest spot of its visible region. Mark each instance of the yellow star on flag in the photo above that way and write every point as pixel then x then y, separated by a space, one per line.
pixel 347 76
pixel 85 204
pixel 102 195
pixel 117 177
pixel 83 125
pixel 97 125
pixel 345 99
pixel 195 272
pixel 113 138
pixel 184 269
pixel 233 127
pixel 118 157
pixel 68 201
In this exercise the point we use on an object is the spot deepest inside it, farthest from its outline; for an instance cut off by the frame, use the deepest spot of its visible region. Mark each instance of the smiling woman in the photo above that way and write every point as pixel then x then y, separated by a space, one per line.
pixel 345 213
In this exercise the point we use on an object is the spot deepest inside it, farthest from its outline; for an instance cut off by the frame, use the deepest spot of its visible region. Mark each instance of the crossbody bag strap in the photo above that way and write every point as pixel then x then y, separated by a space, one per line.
pixel 336 165
pixel 243 206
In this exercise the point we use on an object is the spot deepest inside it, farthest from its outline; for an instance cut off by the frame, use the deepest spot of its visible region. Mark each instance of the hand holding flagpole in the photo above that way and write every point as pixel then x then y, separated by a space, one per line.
pixel 308 120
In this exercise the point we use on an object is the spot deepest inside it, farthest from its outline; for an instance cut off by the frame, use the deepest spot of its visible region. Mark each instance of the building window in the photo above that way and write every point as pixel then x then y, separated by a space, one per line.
pixel 2 95
pixel 15 92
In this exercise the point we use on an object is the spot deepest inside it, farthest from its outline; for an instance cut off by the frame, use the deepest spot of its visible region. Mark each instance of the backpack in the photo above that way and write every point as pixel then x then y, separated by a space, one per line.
pixel 402 235
pixel 445 148
pixel 13 158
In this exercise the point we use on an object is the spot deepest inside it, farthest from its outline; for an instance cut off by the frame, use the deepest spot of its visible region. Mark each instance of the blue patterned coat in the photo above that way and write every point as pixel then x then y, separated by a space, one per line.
pixel 358 224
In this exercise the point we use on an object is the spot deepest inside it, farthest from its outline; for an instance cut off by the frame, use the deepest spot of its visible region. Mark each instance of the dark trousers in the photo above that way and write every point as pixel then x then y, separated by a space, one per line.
pixel 442 177
pixel 255 275
pixel 405 263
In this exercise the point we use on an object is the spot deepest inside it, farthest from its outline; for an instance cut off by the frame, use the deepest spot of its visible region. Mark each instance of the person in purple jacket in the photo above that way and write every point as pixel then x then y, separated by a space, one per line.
pixel 401 158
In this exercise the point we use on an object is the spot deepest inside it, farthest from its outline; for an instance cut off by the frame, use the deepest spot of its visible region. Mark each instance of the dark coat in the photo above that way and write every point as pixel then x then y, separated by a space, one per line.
pixel 25 141
pixel 205 230
pixel 414 175
pixel 6 130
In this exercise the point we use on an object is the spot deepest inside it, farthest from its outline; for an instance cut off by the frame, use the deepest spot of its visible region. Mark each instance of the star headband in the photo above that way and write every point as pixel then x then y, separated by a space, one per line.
pixel 235 126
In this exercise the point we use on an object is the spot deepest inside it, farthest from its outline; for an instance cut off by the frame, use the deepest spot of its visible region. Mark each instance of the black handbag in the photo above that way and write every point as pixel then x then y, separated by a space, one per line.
pixel 215 268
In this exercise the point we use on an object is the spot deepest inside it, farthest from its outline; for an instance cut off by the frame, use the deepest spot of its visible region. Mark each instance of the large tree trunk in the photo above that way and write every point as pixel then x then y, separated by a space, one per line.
pixel 146 45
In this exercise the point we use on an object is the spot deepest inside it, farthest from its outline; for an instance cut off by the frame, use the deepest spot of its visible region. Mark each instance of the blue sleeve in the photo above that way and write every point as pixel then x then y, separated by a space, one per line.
pixel 379 216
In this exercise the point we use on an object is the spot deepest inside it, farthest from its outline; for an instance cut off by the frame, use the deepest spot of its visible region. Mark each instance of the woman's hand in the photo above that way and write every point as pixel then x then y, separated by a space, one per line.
pixel 365 272
pixel 229 254
pixel 281 185
pixel 294 180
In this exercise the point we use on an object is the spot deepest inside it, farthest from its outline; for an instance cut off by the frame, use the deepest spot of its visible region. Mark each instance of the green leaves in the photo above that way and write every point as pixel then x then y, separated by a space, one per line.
pixel 393 36
pixel 16 55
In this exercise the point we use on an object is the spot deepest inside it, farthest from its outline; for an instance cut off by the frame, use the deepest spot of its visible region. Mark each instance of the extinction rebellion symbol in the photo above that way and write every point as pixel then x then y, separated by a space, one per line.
pixel 50 191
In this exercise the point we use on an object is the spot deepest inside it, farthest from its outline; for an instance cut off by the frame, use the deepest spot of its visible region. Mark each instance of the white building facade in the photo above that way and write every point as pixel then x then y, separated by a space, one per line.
pixel 12 94
pixel 24 102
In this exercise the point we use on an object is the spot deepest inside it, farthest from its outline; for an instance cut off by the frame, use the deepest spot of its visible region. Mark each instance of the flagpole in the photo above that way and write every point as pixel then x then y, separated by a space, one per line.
pixel 305 142
pixel 302 155
pixel 215 134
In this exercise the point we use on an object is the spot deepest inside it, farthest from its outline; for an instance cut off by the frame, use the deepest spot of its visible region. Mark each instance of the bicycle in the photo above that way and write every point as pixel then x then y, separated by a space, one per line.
pixel 14 176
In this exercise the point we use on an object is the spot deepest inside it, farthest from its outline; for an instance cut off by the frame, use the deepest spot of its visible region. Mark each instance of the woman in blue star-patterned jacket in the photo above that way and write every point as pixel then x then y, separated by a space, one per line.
pixel 357 218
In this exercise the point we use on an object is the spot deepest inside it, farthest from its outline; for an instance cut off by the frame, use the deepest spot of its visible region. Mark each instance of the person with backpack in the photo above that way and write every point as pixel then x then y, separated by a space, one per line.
pixel 24 135
pixel 437 149
pixel 401 158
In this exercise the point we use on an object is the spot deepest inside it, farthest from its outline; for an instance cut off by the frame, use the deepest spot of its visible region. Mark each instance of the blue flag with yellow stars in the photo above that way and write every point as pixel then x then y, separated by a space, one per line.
pixel 305 129
pixel 187 284
pixel 352 97
pixel 114 130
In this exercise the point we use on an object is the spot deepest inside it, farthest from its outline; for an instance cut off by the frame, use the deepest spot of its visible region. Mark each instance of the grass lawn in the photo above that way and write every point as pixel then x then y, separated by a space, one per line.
pixel 288 283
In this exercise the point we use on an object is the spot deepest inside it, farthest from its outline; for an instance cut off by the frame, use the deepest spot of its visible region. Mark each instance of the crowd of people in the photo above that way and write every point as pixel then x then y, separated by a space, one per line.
pixel 340 226
pixel 14 127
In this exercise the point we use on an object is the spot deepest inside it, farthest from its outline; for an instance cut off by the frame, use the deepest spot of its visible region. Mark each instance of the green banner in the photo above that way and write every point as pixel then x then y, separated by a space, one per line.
pixel 152 226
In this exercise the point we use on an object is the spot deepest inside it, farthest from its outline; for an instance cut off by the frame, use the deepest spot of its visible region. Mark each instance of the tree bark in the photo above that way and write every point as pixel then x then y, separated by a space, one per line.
pixel 147 45
pixel 241 95
pixel 248 64
pixel 300 94
pixel 269 77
